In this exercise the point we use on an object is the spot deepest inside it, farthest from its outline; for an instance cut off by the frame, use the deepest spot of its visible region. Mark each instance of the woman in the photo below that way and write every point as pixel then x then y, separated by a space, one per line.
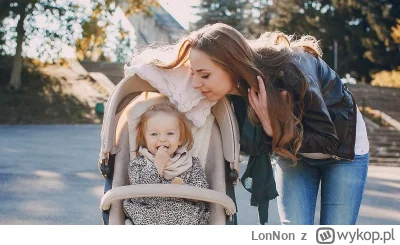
pixel 308 119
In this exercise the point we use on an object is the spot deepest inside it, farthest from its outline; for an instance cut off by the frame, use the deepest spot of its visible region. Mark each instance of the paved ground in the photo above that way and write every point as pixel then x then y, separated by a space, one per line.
pixel 49 175
pixel 380 205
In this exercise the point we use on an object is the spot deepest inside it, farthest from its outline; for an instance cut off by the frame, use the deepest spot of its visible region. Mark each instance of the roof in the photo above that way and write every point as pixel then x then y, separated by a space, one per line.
pixel 168 23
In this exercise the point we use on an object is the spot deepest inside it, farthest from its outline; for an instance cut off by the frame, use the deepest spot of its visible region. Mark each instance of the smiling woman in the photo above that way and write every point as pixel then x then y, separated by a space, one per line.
pixel 210 78
pixel 286 108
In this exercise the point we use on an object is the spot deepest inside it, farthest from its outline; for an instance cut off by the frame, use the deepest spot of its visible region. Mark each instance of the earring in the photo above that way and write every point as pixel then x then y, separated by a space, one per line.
pixel 238 85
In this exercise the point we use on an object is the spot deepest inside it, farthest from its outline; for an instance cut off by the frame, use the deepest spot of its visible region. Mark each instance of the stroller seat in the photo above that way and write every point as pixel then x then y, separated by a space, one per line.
pixel 215 144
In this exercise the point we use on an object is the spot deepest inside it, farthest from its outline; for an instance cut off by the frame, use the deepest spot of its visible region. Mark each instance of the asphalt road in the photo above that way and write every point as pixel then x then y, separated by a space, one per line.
pixel 49 175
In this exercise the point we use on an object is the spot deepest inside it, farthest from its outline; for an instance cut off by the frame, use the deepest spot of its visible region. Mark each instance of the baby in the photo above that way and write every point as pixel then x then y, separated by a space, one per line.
pixel 163 142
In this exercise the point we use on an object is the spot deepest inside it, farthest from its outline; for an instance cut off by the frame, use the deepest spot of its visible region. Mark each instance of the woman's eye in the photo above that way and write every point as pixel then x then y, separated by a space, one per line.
pixel 170 133
pixel 153 134
pixel 205 76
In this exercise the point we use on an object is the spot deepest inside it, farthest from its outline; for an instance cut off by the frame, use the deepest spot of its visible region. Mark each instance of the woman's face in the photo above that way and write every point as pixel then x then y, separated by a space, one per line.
pixel 212 81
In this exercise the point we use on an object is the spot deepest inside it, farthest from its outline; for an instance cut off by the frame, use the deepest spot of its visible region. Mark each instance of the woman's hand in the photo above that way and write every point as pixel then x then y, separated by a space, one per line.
pixel 260 105
pixel 161 159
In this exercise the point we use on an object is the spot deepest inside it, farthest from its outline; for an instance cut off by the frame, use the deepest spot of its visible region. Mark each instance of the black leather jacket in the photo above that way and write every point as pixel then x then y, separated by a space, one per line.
pixel 329 127
pixel 330 110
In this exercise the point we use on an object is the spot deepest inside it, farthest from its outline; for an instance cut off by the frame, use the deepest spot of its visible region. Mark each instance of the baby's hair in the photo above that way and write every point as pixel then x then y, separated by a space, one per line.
pixel 186 136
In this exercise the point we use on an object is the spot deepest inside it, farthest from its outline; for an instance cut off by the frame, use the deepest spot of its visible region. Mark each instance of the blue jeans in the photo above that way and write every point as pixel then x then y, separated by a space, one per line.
pixel 342 187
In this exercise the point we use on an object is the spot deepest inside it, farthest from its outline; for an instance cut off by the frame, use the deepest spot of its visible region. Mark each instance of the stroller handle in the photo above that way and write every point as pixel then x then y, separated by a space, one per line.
pixel 167 190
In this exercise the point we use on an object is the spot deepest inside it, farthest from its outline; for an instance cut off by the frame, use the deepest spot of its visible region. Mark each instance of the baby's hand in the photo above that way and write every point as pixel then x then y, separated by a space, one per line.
pixel 162 158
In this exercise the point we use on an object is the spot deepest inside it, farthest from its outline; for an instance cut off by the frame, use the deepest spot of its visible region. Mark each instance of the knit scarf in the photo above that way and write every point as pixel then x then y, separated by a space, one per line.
pixel 179 163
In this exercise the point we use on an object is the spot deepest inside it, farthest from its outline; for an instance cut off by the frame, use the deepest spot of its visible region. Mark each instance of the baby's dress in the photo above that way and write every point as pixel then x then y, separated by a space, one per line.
pixel 165 210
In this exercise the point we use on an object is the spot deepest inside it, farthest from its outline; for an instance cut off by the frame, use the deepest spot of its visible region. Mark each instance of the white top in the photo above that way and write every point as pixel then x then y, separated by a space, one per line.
pixel 362 143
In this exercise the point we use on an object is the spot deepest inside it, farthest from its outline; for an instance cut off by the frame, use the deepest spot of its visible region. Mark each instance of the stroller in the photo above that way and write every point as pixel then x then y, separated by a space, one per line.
pixel 216 144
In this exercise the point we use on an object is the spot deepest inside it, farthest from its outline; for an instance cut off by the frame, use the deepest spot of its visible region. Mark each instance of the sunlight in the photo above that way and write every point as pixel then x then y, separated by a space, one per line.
pixel 44 184
pixel 181 11
pixel 89 176
pixel 83 2
pixel 374 193
pixel 380 213
pixel 388 184
pixel 97 191
pixel 39 208
pixel 385 173
pixel 47 174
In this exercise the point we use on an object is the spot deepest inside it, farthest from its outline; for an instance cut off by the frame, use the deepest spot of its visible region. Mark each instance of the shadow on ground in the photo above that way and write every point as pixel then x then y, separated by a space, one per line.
pixel 41 99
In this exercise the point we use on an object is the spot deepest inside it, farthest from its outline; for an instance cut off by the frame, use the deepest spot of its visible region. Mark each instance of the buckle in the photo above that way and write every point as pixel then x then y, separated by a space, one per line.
pixel 105 168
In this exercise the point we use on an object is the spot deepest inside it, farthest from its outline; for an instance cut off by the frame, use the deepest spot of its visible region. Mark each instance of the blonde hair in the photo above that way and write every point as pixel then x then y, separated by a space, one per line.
pixel 280 40
pixel 185 137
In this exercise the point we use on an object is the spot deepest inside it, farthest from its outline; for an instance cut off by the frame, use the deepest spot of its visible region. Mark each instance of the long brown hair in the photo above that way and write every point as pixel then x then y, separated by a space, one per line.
pixel 268 57
pixel 185 137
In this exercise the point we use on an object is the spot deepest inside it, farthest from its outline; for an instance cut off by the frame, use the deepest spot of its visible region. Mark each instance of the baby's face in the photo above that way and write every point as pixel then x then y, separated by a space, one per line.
pixel 162 130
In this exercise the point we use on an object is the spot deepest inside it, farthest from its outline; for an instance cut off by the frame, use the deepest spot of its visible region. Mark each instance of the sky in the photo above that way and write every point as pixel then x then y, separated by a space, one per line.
pixel 181 10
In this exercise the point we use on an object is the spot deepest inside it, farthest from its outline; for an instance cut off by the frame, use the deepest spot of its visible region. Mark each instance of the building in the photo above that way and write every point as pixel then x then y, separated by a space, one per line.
pixel 159 26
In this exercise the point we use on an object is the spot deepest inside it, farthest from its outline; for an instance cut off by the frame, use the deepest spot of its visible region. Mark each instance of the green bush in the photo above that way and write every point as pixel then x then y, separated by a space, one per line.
pixel 387 79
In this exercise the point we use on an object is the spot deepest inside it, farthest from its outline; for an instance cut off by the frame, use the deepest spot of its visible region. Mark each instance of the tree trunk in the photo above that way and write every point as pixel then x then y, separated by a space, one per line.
pixel 15 81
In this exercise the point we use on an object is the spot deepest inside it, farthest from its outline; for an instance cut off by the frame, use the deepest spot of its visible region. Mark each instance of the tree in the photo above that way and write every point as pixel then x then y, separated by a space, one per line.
pixel 58 17
pixel 389 78
pixel 98 26
pixel 54 21
pixel 361 28
pixel 396 32
pixel 235 13
pixel 15 81
pixel 124 45
pixel 372 28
